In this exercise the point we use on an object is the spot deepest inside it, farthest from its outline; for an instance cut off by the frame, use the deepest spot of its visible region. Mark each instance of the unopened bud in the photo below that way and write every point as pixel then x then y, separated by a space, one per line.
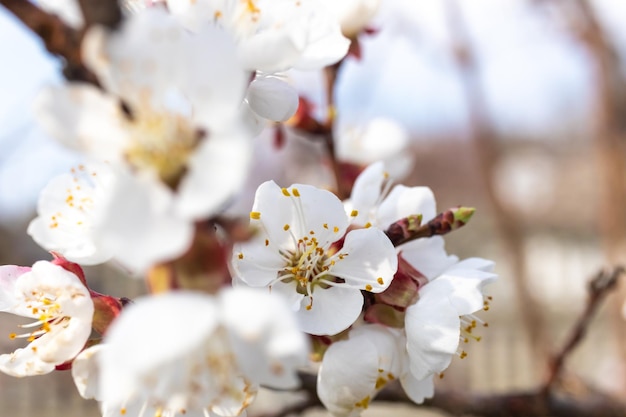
pixel 106 309
pixel 407 229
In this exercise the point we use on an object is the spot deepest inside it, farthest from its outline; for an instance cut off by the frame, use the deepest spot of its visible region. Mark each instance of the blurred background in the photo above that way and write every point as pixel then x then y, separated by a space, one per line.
pixel 515 107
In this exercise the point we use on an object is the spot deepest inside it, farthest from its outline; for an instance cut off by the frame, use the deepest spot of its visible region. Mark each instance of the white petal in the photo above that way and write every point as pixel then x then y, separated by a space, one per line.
pixel 211 76
pixel 272 98
pixel 270 51
pixel 406 201
pixel 265 337
pixel 83 118
pixel 257 264
pixel 333 310
pixel 139 224
pixel 216 172
pixel 315 210
pixel 8 276
pixel 85 372
pixel 326 44
pixel 354 370
pixel 370 259
pixel 67 209
pixel 428 256
pixel 433 329
pixel 366 192
pixel 152 333
pixel 466 288
pixel 418 390
pixel 24 362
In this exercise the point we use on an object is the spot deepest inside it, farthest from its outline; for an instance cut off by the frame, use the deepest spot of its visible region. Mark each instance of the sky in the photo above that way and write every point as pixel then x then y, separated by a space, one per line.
pixel 537 81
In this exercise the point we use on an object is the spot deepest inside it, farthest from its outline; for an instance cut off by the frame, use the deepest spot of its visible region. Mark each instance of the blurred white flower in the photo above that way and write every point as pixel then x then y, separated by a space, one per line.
pixel 190 353
pixel 169 125
pixel 272 35
pixel 379 140
pixel 302 250
pixel 172 114
pixel 67 210
pixel 353 15
pixel 62 308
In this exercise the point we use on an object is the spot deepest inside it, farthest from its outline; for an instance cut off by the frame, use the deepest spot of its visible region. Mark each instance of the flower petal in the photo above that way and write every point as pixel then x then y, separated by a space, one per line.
pixel 416 389
pixel 405 201
pixel 332 310
pixel 216 172
pixel 66 212
pixel 367 191
pixel 433 329
pixel 8 276
pixel 354 370
pixel 428 256
pixel 369 259
pixel 83 118
pixel 272 98
pixel 265 337
pixel 137 222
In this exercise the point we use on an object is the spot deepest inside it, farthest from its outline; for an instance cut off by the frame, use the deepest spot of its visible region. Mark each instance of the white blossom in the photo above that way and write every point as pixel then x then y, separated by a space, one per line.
pixel 297 252
pixel 62 309
pixel 169 124
pixel 193 354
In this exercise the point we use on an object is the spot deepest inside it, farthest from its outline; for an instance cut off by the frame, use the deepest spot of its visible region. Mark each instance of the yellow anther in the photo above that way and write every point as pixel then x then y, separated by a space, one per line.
pixel 217 14
pixel 311 232
pixel 295 192
pixel 286 227
pixel 240 256
pixel 368 287
pixel 252 7
pixel 463 354
pixel 335 229
pixel 123 411
pixel 255 215
pixel 285 192
pixel 34 349
pixel 364 403
pixel 12 336
pixel 325 225
pixel 380 281
pixel 368 225
pixel 267 242
pixel 354 213
pixel 380 382
pixel 441 375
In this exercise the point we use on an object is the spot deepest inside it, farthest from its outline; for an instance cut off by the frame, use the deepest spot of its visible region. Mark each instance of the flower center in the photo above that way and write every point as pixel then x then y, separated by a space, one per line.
pixel 162 143
pixel 307 265
pixel 48 312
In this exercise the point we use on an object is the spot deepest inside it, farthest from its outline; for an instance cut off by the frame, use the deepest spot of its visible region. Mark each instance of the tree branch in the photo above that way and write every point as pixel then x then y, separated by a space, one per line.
pixel 59 39
pixel 599 287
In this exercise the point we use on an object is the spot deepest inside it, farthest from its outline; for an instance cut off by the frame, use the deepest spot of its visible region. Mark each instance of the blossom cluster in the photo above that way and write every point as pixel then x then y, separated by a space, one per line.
pixel 185 89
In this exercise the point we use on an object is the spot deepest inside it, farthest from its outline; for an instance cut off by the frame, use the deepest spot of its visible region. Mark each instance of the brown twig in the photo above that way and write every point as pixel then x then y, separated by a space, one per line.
pixel 515 404
pixel 101 12
pixel 599 287
pixel 331 72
